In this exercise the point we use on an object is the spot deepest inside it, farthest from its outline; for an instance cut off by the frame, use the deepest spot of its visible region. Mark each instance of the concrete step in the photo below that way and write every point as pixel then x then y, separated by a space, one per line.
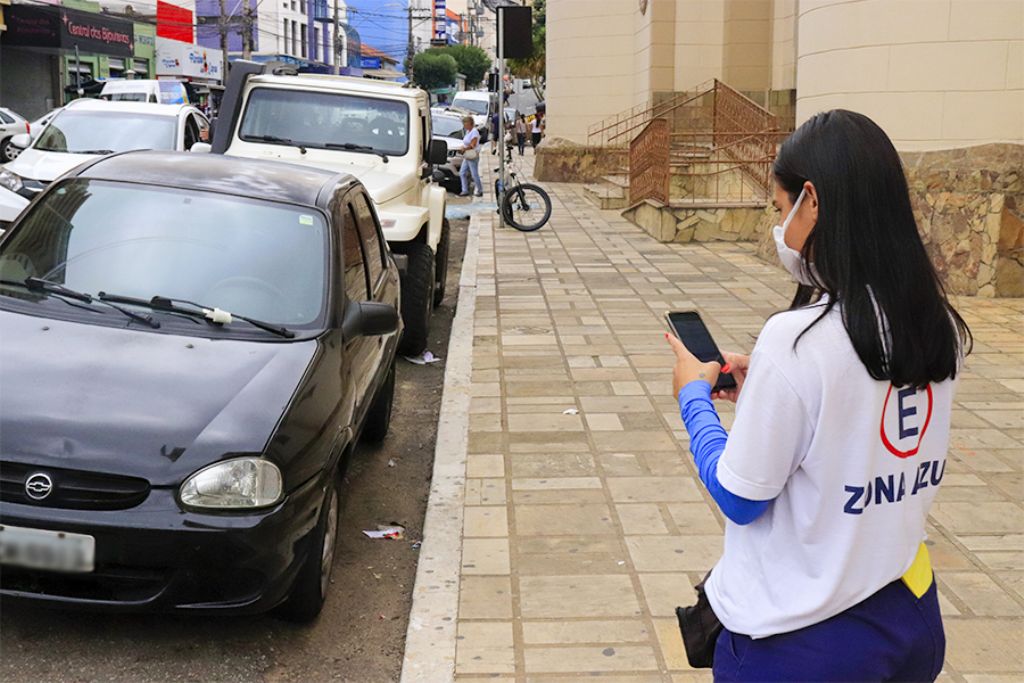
pixel 618 179
pixel 607 195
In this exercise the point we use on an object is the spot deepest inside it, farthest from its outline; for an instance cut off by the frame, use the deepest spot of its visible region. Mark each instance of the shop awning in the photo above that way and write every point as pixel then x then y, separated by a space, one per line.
pixel 386 74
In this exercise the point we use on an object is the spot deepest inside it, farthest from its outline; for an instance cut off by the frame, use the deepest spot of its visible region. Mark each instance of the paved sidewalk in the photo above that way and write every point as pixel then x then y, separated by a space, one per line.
pixel 583 523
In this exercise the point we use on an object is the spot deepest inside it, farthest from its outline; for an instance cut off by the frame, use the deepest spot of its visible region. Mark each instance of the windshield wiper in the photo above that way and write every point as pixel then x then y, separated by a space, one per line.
pixel 211 314
pixel 93 151
pixel 276 138
pixel 35 284
pixel 351 146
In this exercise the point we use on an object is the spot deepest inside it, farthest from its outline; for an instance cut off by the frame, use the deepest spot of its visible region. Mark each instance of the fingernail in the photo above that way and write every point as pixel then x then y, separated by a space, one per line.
pixel 726 368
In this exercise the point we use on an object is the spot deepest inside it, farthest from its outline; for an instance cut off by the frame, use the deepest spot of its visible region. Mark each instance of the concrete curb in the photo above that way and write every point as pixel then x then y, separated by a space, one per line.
pixel 431 637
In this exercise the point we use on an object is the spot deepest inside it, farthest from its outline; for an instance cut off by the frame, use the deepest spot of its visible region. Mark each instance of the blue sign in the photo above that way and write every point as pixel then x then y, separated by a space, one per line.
pixel 370 62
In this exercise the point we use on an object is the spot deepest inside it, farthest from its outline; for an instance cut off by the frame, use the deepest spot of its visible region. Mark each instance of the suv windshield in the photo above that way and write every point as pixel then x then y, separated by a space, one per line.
pixel 324 120
pixel 249 257
pixel 92 132
pixel 448 126
pixel 475 106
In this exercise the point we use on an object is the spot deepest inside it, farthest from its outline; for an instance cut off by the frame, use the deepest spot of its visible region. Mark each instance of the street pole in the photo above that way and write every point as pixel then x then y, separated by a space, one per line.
pixel 336 57
pixel 500 140
pixel 222 26
pixel 410 50
pixel 247 23
pixel 78 73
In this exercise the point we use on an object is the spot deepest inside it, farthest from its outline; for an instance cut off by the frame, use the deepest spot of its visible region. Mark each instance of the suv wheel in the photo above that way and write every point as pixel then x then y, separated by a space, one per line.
pixel 378 420
pixel 417 299
pixel 309 591
pixel 441 267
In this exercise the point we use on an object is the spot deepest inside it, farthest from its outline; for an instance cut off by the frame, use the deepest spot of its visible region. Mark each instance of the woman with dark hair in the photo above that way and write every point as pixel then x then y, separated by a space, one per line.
pixel 841 430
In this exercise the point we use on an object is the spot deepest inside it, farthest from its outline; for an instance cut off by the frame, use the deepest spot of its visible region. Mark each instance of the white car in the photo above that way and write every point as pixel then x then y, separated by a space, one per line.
pixel 480 103
pixel 86 131
pixel 11 124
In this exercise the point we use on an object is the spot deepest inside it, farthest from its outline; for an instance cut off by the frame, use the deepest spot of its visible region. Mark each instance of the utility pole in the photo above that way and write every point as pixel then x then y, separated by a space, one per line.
pixel 336 57
pixel 222 27
pixel 247 25
pixel 410 51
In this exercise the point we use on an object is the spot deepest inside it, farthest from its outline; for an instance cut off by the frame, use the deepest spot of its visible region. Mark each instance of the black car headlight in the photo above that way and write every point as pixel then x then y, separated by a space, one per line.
pixel 10 180
pixel 234 484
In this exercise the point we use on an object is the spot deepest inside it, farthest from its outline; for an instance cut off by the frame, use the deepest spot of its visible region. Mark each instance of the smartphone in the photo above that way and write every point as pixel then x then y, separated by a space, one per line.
pixel 688 327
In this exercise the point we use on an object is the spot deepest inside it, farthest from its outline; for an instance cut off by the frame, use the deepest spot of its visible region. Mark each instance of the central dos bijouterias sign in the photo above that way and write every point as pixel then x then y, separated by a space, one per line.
pixel 65 29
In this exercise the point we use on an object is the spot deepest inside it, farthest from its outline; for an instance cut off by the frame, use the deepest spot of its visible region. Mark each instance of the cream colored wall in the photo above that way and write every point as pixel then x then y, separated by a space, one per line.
pixel 699 36
pixel 934 74
pixel 783 45
pixel 590 63
pixel 746 47
pixel 654 49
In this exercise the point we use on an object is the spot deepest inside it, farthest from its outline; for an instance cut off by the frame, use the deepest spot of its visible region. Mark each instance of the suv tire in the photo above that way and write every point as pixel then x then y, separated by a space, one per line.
pixel 8 152
pixel 378 420
pixel 441 267
pixel 417 299
pixel 307 595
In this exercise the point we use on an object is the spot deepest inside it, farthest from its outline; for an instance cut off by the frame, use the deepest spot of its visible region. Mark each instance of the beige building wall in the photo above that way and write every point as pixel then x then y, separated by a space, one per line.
pixel 699 37
pixel 746 44
pixel 591 63
pixel 654 42
pixel 934 74
pixel 783 45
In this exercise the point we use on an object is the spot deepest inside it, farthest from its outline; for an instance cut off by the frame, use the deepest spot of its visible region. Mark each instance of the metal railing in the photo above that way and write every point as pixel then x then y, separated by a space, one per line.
pixel 649 163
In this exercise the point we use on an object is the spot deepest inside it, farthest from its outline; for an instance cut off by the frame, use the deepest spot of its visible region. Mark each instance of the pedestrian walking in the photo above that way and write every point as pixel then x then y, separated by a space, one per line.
pixel 494 132
pixel 470 158
pixel 521 129
pixel 841 430
pixel 537 132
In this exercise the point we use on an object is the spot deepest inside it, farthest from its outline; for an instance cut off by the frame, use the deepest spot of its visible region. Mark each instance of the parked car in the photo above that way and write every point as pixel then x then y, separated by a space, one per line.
pixel 145 90
pixel 481 104
pixel 448 128
pixel 86 130
pixel 193 345
pixel 375 130
pixel 11 124
pixel 39 125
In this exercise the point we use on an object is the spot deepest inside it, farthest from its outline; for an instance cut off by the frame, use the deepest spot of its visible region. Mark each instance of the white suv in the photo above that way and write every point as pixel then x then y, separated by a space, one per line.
pixel 377 131
pixel 85 130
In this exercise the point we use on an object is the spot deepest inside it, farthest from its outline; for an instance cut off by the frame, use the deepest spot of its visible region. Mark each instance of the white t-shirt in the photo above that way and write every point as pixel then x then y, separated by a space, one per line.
pixel 470 135
pixel 852 464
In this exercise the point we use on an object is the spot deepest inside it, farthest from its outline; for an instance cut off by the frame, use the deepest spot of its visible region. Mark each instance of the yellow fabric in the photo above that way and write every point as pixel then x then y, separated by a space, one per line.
pixel 919 577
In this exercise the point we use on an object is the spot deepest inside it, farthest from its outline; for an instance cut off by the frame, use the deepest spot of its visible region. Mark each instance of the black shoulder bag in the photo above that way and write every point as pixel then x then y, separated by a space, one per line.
pixel 700 628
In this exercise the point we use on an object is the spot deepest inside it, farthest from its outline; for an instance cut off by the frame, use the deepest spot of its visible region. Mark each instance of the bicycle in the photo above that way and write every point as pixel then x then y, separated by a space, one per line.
pixel 524 206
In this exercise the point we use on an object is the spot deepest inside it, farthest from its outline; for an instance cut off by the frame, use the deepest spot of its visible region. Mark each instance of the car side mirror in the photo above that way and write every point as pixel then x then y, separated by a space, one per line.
pixel 368 319
pixel 438 152
pixel 200 148
pixel 22 140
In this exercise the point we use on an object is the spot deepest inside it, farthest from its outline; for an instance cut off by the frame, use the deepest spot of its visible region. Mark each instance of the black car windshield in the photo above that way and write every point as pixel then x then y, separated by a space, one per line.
pixel 318 119
pixel 91 132
pixel 475 106
pixel 250 257
pixel 448 126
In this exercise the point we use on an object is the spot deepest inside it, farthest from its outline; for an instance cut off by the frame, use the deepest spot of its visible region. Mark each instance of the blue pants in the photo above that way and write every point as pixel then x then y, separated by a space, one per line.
pixel 471 166
pixel 890 636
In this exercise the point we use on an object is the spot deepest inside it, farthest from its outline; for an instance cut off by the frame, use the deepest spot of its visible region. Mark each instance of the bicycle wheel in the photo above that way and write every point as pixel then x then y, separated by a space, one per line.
pixel 526 207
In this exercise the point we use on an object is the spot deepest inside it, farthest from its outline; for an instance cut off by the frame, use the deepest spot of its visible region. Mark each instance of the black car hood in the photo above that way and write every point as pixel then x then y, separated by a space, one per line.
pixel 138 403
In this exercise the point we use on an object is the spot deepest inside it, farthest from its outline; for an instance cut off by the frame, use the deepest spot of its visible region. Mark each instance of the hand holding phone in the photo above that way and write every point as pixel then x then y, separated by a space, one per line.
pixel 689 329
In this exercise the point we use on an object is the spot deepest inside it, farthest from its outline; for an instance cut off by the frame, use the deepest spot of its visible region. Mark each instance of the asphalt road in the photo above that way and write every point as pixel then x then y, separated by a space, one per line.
pixel 360 635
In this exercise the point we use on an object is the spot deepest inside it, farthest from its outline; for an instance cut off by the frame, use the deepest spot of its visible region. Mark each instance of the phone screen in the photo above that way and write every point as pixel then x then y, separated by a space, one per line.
pixel 690 329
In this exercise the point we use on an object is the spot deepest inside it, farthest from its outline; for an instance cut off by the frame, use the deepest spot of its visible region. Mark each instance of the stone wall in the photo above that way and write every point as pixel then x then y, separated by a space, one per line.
pixel 562 161
pixel 969 206
pixel 698 223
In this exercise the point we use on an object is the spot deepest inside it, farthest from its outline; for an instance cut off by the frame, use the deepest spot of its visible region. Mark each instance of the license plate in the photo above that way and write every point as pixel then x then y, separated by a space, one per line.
pixel 50 550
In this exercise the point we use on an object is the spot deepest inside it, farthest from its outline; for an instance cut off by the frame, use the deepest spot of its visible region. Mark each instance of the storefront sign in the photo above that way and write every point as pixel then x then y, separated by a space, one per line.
pixel 440 22
pixel 174 58
pixel 65 29
pixel 371 62
pixel 174 22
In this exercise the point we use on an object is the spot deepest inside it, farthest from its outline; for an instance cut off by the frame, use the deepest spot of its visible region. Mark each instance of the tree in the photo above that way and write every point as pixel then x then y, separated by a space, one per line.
pixel 534 66
pixel 432 70
pixel 473 62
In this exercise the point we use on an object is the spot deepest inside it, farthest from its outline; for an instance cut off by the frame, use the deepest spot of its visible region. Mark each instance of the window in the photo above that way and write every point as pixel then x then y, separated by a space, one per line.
pixel 367 125
pixel 295 36
pixel 4 118
pixel 191 132
pixel 284 48
pixel 316 44
pixel 372 243
pixel 352 254
pixel 105 132
pixel 305 53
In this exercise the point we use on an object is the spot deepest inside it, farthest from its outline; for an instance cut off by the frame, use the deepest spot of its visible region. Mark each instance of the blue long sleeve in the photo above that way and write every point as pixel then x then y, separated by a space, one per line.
pixel 707 441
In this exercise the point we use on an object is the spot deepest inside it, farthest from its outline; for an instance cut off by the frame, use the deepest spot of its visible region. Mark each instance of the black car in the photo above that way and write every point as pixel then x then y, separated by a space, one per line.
pixel 193 344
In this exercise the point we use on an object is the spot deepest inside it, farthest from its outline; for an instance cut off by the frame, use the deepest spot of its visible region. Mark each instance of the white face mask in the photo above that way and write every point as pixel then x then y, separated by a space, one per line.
pixel 791 259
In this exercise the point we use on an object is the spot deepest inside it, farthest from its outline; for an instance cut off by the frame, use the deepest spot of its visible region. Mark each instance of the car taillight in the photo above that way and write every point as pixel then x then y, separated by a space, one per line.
pixel 28 127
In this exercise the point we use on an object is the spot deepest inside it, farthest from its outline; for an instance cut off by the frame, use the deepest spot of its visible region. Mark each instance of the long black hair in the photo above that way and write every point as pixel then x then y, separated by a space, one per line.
pixel 867 253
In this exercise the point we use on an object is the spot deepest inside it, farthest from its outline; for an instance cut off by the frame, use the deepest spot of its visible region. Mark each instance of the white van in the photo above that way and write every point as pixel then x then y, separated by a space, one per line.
pixel 158 92
pixel 480 103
